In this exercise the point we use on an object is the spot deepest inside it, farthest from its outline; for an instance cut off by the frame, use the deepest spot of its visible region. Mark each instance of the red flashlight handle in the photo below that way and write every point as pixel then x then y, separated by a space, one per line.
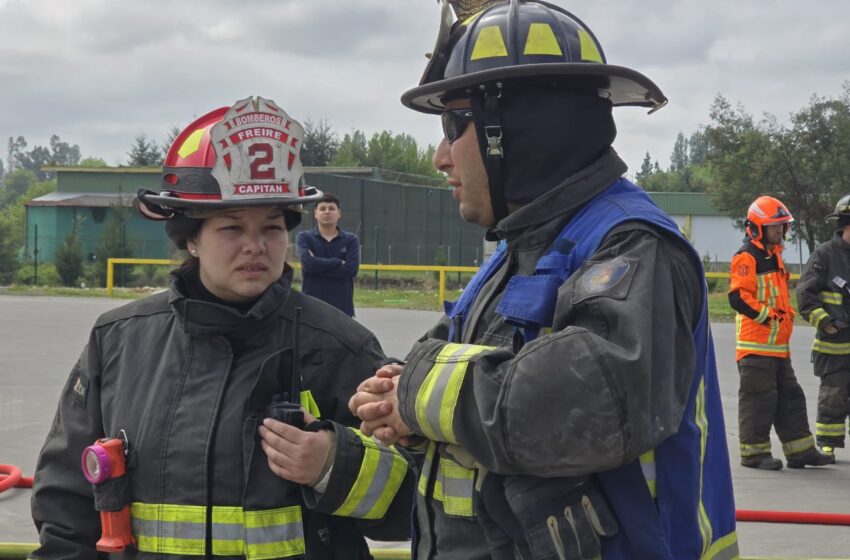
pixel 117 532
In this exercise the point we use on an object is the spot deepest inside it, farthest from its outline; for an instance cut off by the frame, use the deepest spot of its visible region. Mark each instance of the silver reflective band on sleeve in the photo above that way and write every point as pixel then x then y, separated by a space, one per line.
pixel 381 473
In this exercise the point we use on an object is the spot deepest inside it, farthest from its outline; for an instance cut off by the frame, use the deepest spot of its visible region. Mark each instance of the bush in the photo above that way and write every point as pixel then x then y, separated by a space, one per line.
pixel 47 275
pixel 69 260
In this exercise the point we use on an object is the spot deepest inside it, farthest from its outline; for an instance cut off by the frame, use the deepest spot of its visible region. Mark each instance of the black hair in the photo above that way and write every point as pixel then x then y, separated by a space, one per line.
pixel 329 197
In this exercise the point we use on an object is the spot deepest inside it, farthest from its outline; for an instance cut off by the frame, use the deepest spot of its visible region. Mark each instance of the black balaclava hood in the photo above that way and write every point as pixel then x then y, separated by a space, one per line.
pixel 548 134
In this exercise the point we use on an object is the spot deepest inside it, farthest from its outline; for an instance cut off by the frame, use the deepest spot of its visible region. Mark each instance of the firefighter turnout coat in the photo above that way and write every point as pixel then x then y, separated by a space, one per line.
pixel 600 390
pixel 188 381
pixel 758 291
pixel 822 302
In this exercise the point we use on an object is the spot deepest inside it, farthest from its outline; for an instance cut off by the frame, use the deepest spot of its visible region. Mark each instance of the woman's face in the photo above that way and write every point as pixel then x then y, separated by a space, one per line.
pixel 241 252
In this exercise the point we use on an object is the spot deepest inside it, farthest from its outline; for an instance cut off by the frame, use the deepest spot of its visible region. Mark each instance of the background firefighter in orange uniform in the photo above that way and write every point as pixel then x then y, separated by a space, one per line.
pixel 769 393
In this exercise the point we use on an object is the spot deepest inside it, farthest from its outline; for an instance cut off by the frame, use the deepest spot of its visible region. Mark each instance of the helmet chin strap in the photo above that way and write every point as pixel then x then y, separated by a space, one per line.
pixel 489 131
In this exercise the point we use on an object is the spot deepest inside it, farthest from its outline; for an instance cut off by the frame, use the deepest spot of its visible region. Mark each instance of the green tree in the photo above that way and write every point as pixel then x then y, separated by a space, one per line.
pixel 320 144
pixel 645 169
pixel 144 153
pixel 9 262
pixel 69 258
pixel 58 153
pixel 804 165
pixel 679 157
pixel 92 162
pixel 16 184
pixel 13 229
pixel 697 147
pixel 113 243
pixel 352 151
pixel 2 171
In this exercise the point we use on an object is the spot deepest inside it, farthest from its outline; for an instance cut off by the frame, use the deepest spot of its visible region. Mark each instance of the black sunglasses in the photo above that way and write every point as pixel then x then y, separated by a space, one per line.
pixel 454 123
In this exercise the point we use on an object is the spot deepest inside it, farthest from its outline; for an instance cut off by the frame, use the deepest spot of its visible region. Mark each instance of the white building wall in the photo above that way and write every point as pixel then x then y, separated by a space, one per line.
pixel 718 237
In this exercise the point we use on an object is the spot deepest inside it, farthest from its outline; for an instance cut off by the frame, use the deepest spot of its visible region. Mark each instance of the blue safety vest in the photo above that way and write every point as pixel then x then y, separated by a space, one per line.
pixel 692 514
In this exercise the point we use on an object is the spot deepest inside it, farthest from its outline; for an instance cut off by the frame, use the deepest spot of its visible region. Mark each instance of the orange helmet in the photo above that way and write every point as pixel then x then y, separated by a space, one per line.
pixel 766 211
pixel 239 156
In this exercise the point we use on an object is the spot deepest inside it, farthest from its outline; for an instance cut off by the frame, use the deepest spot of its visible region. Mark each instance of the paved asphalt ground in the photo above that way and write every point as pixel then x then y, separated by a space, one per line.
pixel 41 338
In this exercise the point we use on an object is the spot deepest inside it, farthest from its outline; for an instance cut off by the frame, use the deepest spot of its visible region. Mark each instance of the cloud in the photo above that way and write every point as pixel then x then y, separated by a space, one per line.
pixel 99 72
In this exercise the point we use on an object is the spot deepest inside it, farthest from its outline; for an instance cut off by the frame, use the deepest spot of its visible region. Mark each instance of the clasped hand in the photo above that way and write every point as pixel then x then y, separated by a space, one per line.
pixel 376 404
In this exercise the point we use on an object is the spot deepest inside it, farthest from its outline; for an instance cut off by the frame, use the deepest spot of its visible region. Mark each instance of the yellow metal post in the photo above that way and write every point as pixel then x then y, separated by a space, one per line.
pixel 442 289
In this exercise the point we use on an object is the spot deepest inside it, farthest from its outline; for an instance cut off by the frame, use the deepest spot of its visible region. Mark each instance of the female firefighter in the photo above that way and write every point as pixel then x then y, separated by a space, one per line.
pixel 184 378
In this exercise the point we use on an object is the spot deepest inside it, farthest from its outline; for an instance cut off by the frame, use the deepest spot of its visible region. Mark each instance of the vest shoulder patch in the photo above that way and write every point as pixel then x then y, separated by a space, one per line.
pixel 610 279
pixel 80 390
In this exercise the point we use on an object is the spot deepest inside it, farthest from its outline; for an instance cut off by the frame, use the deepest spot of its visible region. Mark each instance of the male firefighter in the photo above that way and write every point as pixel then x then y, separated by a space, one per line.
pixel 823 296
pixel 769 394
pixel 569 400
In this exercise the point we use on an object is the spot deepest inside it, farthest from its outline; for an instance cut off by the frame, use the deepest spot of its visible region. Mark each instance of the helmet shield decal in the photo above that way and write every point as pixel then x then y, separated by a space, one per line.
pixel 257 149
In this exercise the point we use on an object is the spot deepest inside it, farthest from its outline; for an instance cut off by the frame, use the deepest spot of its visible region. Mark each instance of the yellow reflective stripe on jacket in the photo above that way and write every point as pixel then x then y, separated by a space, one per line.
pixel 798 445
pixel 831 430
pixel 257 535
pixel 453 484
pixel 701 420
pixel 437 397
pixel 454 487
pixel 724 548
pixel 835 298
pixel 760 318
pixel 381 474
pixel 835 348
pixel 171 529
pixel 781 349
pixel 817 315
pixel 425 471
pixel 751 449
pixel 647 466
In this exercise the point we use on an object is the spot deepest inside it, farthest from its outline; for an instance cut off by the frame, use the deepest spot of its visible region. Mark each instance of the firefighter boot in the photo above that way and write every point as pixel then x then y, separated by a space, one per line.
pixel 812 457
pixel 762 462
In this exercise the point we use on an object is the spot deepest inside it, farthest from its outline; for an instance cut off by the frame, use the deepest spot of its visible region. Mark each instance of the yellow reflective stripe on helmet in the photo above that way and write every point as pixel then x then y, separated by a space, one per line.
pixel 751 449
pixel 438 394
pixel 724 548
pixel 835 298
pixel 589 50
pixel 191 143
pixel 257 535
pixel 701 421
pixel 310 404
pixel 817 315
pixel 381 474
pixel 457 484
pixel 830 430
pixel 835 348
pixel 760 318
pixel 647 466
pixel 489 43
pixel 541 40
pixel 798 445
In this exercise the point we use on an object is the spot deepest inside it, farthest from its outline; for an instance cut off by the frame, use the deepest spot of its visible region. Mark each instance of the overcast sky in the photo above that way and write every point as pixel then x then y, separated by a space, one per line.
pixel 99 72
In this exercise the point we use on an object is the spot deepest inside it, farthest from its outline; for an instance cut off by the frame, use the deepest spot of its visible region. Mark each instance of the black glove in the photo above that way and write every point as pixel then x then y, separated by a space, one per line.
pixel 563 518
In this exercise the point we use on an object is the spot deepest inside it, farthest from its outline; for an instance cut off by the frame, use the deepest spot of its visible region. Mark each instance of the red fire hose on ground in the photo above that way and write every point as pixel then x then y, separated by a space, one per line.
pixel 10 477
pixel 800 517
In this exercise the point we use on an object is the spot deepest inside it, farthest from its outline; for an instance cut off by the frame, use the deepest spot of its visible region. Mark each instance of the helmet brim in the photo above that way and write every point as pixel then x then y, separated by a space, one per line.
pixel 172 204
pixel 626 87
